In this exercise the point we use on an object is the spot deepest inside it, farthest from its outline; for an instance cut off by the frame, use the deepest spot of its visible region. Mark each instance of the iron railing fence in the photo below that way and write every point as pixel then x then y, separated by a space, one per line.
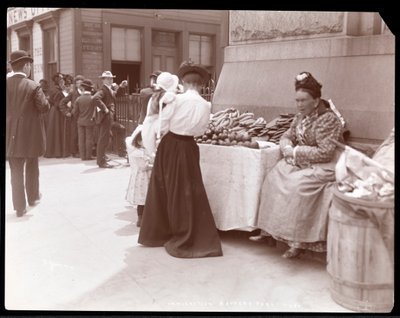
pixel 127 110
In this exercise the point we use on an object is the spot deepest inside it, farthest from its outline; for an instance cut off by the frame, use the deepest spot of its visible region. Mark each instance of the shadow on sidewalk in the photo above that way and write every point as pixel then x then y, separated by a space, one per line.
pixel 130 216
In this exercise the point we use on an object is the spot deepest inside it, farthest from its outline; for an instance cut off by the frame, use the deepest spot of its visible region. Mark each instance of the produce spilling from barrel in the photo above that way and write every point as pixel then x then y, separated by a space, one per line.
pixel 229 127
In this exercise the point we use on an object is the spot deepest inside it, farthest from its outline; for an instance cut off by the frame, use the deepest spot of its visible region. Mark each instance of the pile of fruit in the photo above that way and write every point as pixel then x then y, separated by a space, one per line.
pixel 229 128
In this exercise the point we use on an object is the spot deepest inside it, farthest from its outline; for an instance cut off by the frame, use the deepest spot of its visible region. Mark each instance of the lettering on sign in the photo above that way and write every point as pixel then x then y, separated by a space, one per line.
pixel 91 48
pixel 92 40
pixel 92 37
pixel 91 26
pixel 17 15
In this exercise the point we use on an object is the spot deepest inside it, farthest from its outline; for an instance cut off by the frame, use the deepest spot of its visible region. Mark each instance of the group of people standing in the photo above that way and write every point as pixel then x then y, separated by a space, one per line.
pixel 55 123
pixel 69 130
pixel 61 126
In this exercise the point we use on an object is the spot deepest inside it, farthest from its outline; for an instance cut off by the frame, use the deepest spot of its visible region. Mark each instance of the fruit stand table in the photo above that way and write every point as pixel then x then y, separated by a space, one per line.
pixel 233 177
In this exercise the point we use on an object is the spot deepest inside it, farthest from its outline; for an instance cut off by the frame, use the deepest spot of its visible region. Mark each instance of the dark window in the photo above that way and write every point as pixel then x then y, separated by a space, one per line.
pixel 50 52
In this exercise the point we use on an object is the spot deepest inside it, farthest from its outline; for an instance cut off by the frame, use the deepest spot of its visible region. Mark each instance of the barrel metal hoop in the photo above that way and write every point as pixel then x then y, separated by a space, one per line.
pixel 360 284
pixel 360 305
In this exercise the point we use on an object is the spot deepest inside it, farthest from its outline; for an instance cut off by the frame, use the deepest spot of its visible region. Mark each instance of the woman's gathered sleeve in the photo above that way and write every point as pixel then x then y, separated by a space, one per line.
pixel 166 115
pixel 288 138
pixel 327 128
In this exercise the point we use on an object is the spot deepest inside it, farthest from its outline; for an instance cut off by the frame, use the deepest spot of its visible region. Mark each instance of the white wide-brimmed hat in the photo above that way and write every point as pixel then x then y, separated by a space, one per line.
pixel 107 74
pixel 167 81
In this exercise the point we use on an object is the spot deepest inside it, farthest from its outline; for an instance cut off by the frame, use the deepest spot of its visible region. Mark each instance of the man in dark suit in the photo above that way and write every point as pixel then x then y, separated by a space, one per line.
pixel 104 101
pixel 25 131
pixel 145 95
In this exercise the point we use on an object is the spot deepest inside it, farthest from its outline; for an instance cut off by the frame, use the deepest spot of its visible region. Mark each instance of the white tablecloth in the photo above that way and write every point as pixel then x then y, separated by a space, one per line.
pixel 233 177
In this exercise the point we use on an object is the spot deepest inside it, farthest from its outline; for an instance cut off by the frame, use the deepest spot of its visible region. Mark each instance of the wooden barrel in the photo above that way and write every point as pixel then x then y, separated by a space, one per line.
pixel 360 261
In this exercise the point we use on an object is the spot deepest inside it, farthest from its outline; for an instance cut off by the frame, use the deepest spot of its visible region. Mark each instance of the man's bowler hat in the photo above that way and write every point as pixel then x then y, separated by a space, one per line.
pixel 19 55
pixel 87 83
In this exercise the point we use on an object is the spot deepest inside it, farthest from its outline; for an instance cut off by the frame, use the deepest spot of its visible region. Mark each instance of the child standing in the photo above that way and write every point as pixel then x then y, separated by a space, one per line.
pixel 141 164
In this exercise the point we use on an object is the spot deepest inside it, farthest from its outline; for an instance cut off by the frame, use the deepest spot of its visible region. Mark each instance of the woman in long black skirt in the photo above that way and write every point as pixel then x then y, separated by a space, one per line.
pixel 177 214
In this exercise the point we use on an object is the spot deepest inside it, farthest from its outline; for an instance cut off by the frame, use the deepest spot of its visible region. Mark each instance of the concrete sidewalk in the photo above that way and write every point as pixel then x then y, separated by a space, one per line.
pixel 77 250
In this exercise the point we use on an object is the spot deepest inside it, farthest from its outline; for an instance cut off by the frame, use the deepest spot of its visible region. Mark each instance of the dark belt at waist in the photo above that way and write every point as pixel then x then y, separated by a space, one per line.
pixel 181 137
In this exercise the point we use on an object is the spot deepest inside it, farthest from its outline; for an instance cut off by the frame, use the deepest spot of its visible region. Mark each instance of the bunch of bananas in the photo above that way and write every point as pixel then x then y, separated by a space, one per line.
pixel 225 119
pixel 274 130
pixel 232 120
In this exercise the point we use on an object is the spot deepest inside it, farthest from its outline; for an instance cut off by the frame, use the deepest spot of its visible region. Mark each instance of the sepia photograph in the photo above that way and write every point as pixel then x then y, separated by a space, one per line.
pixel 192 160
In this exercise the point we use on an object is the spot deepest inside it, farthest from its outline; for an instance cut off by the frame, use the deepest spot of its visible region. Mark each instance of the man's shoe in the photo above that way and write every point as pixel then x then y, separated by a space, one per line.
pixel 36 202
pixel 21 213
pixel 106 165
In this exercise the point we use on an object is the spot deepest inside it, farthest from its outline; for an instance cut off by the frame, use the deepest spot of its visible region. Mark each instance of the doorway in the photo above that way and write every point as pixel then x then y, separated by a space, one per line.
pixel 129 72
pixel 164 59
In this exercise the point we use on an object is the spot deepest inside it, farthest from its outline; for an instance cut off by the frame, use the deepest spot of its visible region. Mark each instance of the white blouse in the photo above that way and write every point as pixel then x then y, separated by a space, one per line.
pixel 188 115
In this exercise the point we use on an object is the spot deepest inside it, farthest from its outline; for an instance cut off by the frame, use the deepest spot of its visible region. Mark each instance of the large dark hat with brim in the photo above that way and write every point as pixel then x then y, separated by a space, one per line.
pixel 19 55
pixel 87 83
pixel 189 67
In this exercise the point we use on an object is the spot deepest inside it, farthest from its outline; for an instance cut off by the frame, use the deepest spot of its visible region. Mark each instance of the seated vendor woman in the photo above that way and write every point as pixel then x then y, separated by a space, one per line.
pixel 296 193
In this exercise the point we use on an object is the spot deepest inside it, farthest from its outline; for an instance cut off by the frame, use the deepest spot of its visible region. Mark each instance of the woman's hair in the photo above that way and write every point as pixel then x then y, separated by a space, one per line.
pixel 306 82
pixel 57 77
pixel 325 103
pixel 137 139
pixel 193 78
pixel 68 79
